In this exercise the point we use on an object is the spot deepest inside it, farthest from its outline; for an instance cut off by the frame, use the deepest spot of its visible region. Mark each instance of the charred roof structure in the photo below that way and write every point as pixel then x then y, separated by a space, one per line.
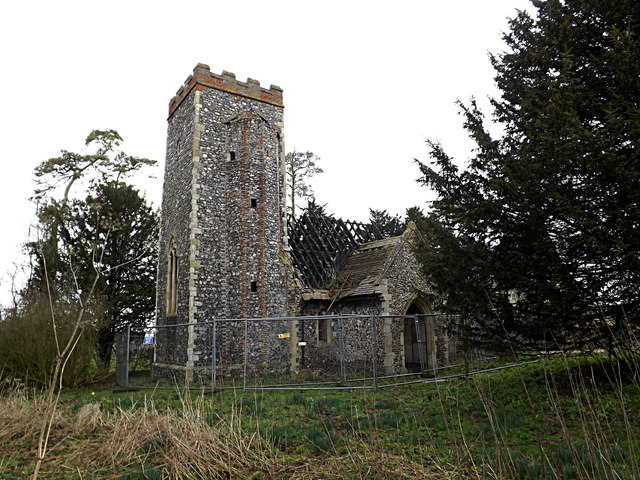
pixel 320 245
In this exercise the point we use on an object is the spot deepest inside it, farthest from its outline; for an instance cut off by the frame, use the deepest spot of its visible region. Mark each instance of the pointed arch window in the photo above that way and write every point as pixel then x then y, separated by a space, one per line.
pixel 172 280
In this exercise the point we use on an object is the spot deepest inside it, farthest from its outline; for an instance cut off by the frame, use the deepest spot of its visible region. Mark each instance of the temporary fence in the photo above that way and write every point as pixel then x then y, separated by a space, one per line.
pixel 312 352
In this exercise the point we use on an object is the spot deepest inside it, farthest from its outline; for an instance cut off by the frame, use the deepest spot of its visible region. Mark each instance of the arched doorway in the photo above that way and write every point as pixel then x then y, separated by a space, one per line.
pixel 415 338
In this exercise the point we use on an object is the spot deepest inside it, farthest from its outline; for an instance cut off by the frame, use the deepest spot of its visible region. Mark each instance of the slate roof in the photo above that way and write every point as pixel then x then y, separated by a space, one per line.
pixel 365 269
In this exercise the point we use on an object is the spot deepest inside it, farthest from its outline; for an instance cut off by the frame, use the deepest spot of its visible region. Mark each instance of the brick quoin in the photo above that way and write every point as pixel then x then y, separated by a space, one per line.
pixel 246 273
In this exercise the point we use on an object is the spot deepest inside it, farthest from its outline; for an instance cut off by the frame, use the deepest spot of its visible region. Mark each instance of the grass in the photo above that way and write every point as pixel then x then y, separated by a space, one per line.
pixel 560 418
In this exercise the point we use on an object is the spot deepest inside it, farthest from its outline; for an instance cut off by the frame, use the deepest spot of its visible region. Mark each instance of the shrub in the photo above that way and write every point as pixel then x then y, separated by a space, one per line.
pixel 28 346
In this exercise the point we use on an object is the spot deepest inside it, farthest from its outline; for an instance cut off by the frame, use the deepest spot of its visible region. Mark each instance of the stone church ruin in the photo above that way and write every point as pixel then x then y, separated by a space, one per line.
pixel 228 252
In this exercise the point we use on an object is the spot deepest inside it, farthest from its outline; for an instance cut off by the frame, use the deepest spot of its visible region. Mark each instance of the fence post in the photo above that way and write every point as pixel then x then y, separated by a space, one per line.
pixel 375 352
pixel 155 352
pixel 122 359
pixel 213 356
pixel 422 343
pixel 246 351
pixel 128 352
pixel 343 371
pixel 466 346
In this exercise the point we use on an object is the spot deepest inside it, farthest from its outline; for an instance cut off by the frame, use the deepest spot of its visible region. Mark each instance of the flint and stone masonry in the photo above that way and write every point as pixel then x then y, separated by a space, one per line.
pixel 223 218
pixel 222 254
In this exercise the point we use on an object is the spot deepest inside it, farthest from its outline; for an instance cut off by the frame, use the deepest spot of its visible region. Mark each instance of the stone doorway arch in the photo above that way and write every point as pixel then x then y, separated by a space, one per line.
pixel 419 340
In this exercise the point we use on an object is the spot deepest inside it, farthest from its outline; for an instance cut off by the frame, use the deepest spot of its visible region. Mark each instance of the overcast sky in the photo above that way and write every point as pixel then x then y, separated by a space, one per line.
pixel 365 83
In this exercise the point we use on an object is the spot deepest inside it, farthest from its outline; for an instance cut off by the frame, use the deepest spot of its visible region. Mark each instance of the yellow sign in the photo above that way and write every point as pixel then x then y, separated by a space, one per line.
pixel 284 335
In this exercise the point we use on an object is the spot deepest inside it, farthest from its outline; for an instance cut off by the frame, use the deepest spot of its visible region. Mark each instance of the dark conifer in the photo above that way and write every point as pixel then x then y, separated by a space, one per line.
pixel 536 240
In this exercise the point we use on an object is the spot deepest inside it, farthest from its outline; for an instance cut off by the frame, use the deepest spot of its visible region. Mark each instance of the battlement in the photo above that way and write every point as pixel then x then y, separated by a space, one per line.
pixel 202 78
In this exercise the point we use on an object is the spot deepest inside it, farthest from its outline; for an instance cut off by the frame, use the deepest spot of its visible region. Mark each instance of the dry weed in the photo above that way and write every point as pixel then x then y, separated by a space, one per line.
pixel 89 417
pixel 19 415
pixel 368 464
pixel 184 445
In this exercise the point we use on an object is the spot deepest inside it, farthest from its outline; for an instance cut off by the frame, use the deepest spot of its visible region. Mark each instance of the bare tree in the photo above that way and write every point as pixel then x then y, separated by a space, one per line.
pixel 63 354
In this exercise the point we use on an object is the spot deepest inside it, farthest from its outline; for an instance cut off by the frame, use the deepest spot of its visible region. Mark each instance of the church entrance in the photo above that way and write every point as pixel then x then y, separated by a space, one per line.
pixel 415 340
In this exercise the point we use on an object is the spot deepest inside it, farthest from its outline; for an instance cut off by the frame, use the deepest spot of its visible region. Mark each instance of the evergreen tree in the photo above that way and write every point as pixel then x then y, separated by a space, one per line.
pixel 385 223
pixel 115 229
pixel 536 240
pixel 314 209
pixel 105 164
pixel 110 235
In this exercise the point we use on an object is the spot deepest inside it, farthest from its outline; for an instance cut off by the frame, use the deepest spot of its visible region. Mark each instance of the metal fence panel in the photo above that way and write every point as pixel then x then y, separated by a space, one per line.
pixel 340 351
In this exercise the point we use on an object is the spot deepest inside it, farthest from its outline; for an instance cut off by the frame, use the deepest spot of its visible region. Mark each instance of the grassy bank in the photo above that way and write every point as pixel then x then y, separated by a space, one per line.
pixel 560 418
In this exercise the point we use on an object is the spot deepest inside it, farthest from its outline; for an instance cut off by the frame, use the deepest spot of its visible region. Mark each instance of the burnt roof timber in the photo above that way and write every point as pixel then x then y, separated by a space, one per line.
pixel 321 245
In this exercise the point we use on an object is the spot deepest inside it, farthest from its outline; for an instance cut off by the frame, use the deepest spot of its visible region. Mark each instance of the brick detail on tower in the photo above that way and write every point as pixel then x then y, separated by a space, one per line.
pixel 223 209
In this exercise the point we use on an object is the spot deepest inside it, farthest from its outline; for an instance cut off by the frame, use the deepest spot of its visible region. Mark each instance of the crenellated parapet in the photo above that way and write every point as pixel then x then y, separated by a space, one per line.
pixel 202 78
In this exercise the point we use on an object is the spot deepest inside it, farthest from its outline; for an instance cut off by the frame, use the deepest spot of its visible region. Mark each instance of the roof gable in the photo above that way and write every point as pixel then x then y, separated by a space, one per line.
pixel 366 268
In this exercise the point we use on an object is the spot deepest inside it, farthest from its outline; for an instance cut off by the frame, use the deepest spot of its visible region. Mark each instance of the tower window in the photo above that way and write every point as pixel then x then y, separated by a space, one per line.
pixel 254 203
pixel 232 156
pixel 254 286
pixel 172 281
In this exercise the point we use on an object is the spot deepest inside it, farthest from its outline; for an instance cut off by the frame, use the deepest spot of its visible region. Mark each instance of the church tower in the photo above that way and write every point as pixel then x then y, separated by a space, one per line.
pixel 223 214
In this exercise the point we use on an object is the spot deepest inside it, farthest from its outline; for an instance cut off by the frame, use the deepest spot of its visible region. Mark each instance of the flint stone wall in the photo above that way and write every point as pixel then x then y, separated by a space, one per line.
pixel 222 207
